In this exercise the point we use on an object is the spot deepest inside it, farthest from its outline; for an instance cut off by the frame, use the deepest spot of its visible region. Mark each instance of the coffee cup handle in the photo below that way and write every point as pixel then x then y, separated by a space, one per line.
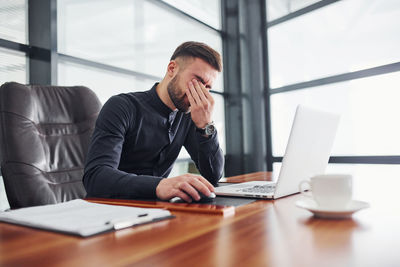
pixel 303 190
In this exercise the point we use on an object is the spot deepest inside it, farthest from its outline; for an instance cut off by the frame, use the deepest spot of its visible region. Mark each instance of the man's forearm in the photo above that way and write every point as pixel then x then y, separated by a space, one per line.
pixel 107 182
pixel 211 159
pixel 212 166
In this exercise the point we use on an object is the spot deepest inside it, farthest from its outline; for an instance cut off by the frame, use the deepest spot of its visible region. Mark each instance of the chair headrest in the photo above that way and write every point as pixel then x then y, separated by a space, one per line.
pixel 49 104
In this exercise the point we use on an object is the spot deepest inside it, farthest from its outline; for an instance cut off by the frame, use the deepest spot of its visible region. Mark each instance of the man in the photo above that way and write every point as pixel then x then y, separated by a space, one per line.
pixel 138 136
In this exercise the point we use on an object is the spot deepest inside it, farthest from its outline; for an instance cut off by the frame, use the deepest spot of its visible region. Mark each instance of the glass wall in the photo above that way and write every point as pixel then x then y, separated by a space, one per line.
pixel 279 8
pixel 368 108
pixel 13 62
pixel 320 45
pixel 104 82
pixel 207 11
pixel 13 27
pixel 342 37
pixel 127 34
pixel 12 66
pixel 13 20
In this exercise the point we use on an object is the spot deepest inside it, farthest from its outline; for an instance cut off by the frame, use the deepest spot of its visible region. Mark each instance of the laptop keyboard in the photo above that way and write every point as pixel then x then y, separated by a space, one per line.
pixel 260 189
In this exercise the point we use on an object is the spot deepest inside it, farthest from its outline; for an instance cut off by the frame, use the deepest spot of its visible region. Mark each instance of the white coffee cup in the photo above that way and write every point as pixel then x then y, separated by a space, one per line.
pixel 331 191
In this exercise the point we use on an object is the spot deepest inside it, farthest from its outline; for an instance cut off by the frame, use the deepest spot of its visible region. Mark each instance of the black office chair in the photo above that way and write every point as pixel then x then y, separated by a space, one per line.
pixel 44 137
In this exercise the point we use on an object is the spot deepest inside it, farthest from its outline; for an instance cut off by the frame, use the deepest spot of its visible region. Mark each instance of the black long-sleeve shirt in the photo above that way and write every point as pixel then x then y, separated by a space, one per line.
pixel 135 143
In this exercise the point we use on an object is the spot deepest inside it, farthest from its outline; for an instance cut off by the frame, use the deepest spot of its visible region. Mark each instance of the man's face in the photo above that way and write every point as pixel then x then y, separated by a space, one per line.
pixel 189 70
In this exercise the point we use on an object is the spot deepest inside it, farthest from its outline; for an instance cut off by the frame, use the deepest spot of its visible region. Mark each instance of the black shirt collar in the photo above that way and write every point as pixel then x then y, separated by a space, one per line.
pixel 157 103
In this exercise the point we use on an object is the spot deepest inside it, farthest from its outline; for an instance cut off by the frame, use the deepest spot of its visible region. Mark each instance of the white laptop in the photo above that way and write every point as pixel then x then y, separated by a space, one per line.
pixel 307 154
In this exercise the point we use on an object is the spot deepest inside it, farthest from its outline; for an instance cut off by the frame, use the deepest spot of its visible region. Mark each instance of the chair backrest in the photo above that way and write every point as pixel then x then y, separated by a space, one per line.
pixel 44 137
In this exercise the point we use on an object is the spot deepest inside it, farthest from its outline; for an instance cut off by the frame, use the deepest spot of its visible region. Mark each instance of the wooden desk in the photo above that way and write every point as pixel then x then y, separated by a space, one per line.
pixel 264 233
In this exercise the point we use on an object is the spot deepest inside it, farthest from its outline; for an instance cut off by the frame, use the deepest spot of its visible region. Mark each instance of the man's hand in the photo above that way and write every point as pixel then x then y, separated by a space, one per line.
pixel 184 186
pixel 201 103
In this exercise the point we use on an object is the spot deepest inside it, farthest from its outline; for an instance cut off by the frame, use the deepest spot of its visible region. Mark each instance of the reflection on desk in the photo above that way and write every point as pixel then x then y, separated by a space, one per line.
pixel 184 207
pixel 263 233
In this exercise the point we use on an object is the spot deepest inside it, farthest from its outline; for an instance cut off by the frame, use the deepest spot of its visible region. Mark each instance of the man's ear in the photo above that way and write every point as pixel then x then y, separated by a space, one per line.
pixel 172 68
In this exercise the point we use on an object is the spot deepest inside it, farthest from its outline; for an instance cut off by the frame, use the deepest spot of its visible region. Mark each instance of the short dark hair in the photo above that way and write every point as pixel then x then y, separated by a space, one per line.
pixel 199 50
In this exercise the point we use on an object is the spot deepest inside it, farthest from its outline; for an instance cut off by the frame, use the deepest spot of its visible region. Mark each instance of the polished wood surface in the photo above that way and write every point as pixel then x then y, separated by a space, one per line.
pixel 185 207
pixel 263 233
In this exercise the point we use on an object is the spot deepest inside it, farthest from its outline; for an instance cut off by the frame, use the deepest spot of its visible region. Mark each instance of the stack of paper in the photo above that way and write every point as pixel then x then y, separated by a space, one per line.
pixel 79 217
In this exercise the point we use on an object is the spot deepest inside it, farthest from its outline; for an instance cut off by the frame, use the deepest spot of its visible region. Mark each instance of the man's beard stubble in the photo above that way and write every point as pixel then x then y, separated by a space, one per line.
pixel 173 92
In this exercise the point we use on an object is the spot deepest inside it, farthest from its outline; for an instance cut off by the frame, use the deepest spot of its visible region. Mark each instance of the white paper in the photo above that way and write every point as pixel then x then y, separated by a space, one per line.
pixel 81 217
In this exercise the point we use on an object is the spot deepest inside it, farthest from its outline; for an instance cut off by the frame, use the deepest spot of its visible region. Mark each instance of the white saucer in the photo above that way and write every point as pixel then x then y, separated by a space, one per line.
pixel 322 212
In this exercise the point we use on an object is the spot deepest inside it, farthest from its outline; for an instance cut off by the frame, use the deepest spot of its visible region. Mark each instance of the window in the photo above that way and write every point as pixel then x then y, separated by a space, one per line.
pixel 280 8
pixel 13 20
pixel 105 83
pixel 12 66
pixel 327 58
pixel 349 36
pixel 368 108
pixel 13 62
pixel 127 34
pixel 207 11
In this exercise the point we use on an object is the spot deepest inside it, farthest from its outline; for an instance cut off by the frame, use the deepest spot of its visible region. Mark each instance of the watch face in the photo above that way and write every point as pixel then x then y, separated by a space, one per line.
pixel 210 129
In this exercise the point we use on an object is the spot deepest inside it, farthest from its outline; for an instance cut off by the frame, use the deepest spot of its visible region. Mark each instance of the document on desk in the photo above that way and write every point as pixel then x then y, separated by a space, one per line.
pixel 82 218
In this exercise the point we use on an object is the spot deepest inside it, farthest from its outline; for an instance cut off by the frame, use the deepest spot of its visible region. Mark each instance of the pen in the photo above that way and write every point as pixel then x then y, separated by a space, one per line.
pixel 124 223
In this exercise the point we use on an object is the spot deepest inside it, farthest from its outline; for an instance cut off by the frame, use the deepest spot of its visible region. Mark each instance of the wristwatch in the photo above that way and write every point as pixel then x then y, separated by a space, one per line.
pixel 208 130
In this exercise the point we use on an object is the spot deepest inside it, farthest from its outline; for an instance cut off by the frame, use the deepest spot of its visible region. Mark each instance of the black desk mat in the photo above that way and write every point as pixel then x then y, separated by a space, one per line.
pixel 231 201
pixel 224 200
pixel 219 200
